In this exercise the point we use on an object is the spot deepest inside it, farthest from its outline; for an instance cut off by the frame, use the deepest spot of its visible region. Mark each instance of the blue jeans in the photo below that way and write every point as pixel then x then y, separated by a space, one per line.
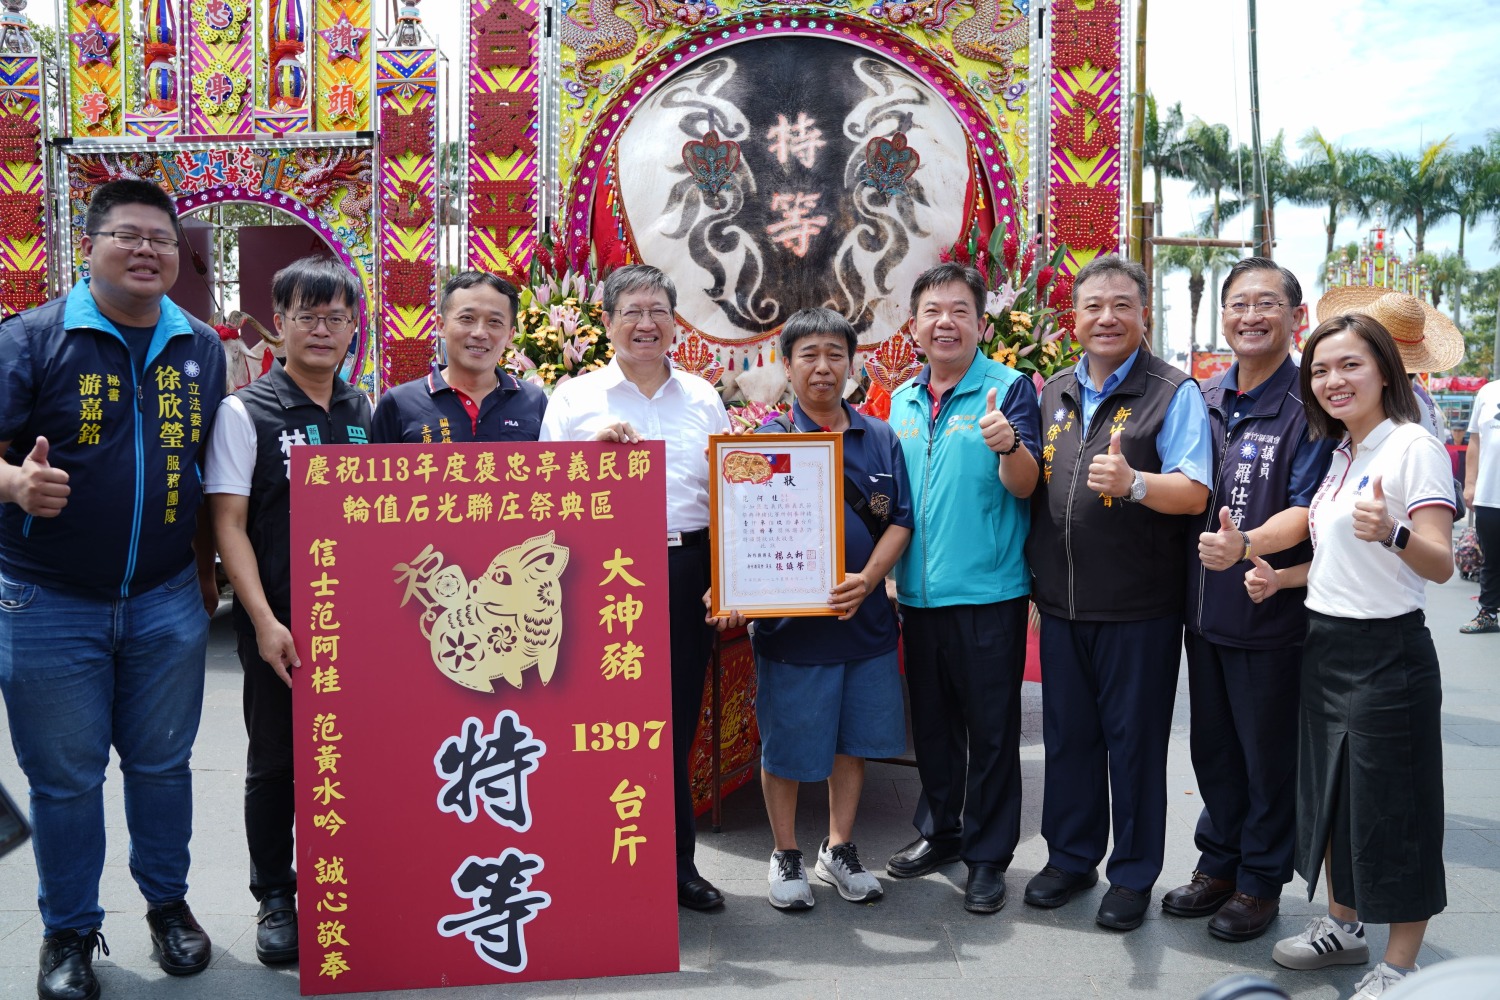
pixel 79 674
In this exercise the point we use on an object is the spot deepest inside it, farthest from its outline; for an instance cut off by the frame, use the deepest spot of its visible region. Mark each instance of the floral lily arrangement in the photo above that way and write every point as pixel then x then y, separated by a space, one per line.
pixel 1028 311
pixel 560 325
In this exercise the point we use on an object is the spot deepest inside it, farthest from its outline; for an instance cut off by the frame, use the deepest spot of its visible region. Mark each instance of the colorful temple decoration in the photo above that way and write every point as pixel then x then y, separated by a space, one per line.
pixel 343 53
pixel 220 59
pixel 1085 181
pixel 23 220
pixel 406 90
pixel 503 88
pixel 97 66
pixel 160 112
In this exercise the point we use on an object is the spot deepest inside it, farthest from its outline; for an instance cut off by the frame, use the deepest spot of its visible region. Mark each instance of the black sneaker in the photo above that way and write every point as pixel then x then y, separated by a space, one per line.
pixel 67 966
pixel 1485 621
pixel 182 946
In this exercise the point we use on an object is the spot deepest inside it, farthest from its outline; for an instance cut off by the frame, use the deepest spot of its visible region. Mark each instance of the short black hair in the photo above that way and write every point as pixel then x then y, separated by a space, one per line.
pixel 1107 264
pixel 637 278
pixel 112 194
pixel 815 320
pixel 1397 400
pixel 946 274
pixel 1290 286
pixel 469 279
pixel 314 281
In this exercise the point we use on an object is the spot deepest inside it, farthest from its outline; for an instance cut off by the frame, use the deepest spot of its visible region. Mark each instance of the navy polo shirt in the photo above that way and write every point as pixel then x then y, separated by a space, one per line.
pixel 1309 460
pixel 873 462
pixel 428 410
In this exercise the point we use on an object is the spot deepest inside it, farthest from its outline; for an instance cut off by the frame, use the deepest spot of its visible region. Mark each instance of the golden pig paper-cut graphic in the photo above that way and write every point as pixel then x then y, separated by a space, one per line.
pixel 746 467
pixel 503 623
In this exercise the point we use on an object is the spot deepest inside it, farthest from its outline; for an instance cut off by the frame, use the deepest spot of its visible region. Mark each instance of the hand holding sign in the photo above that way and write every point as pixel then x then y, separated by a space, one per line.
pixel 1372 523
pixel 1109 473
pixel 42 490
pixel 1223 548
pixel 999 435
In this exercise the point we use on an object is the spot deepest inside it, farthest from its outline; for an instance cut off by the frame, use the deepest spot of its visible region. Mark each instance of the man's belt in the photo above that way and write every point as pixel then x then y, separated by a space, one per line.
pixel 687 538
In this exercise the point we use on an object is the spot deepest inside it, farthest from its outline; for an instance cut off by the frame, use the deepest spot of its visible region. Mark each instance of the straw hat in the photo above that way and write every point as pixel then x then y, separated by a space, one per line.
pixel 1428 340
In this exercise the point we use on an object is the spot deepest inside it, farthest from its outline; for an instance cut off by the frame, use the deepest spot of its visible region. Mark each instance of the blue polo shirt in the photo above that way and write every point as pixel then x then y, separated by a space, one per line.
pixel 1183 442
pixel 427 410
pixel 873 462
pixel 130 436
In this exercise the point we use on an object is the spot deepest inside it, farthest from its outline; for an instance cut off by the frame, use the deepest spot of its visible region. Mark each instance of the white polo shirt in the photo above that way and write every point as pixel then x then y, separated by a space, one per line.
pixel 1351 578
pixel 683 413
pixel 1484 420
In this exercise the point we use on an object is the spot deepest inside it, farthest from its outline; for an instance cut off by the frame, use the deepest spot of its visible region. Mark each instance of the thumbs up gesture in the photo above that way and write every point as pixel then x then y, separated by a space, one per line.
pixel 1372 523
pixel 1109 473
pixel 39 489
pixel 1260 580
pixel 998 433
pixel 1223 548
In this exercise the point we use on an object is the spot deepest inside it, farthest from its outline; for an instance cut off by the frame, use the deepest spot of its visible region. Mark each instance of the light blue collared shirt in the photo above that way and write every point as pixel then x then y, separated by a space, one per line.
pixel 1183 443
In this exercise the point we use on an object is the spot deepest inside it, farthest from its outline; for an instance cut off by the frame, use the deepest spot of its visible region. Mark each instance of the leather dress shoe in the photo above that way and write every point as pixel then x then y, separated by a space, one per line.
pixel 66 966
pixel 921 857
pixel 1201 896
pixel 181 944
pixel 276 928
pixel 985 892
pixel 1244 917
pixel 699 894
pixel 1123 909
pixel 1053 887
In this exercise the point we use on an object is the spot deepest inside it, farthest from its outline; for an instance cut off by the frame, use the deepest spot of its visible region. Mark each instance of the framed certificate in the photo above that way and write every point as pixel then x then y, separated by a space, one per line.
pixel 776 517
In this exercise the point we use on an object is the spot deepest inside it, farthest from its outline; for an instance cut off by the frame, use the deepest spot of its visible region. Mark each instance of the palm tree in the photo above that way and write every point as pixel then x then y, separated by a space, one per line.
pixel 1195 261
pixel 1330 175
pixel 1415 189
pixel 1280 180
pixel 1212 166
pixel 1163 151
pixel 1446 273
pixel 1475 183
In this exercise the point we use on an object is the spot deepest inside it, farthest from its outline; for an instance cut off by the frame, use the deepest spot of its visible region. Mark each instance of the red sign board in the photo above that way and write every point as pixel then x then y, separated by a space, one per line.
pixel 481 721
pixel 1207 364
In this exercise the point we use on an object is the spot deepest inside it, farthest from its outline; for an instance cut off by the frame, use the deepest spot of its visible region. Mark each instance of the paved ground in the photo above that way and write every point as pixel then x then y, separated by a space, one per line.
pixel 917 942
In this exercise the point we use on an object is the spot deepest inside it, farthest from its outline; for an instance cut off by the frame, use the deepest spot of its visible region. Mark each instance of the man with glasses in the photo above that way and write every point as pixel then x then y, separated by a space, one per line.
pixel 300 401
pixel 471 398
pixel 639 396
pixel 107 398
pixel 1245 659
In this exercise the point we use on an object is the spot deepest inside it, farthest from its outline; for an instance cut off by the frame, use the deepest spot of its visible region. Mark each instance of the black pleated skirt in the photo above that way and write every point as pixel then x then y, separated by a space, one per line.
pixel 1370 766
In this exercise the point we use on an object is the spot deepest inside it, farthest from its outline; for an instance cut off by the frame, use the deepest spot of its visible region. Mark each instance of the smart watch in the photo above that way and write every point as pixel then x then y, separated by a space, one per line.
pixel 1400 535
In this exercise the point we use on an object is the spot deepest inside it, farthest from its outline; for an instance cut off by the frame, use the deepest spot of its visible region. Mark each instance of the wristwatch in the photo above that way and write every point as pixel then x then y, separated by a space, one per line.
pixel 1400 535
pixel 1137 489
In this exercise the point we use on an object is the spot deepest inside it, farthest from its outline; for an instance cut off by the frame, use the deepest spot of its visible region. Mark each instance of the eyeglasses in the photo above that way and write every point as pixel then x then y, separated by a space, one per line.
pixel 1264 307
pixel 126 240
pixel 308 322
pixel 658 315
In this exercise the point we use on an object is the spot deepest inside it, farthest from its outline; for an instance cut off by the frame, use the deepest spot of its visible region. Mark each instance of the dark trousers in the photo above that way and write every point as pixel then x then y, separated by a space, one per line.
pixel 1107 692
pixel 687 579
pixel 269 796
pixel 963 676
pixel 1244 743
pixel 1487 527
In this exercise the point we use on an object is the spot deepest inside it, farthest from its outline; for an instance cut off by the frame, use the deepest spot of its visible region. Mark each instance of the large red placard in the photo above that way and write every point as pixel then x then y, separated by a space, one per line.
pixel 481 721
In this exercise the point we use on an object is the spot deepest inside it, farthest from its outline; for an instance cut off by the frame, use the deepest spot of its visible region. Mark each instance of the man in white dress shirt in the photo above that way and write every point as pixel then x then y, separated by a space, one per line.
pixel 640 396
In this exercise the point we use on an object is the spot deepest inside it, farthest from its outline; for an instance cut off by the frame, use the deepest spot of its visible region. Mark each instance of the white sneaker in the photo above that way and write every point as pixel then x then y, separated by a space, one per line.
pixel 789 887
pixel 1322 943
pixel 839 866
pixel 1377 981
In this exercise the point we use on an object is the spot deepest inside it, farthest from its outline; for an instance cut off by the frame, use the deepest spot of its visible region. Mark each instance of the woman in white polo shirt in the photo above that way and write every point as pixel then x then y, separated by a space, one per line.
pixel 1370 770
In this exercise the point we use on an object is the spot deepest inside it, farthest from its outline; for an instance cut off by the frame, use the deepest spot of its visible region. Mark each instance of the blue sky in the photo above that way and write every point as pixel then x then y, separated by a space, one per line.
pixel 1372 73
